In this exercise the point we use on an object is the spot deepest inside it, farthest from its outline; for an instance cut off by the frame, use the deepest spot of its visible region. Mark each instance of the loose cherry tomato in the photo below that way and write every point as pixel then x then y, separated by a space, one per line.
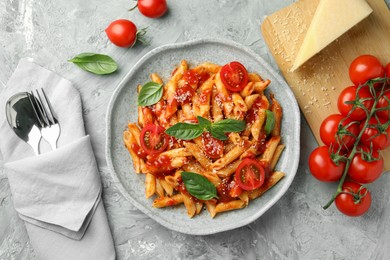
pixel 366 168
pixel 153 139
pixel 364 68
pixel 348 95
pixel 322 167
pixel 355 199
pixel 249 174
pixel 122 33
pixel 234 76
pixel 152 8
pixel 383 103
pixel 212 147
pixel 376 133
pixel 332 136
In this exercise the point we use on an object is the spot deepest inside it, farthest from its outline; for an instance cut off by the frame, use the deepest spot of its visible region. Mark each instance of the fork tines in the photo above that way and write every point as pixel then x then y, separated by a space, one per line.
pixel 42 108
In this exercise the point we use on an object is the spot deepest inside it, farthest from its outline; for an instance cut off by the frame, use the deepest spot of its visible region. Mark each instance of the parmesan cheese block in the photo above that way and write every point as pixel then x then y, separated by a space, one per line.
pixel 331 19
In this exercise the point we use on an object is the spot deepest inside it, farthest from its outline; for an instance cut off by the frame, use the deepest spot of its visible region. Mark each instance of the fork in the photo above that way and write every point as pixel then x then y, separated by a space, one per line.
pixel 50 128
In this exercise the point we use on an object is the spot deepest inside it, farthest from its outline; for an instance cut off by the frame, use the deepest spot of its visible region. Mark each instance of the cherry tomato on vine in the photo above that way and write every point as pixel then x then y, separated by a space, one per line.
pixel 322 167
pixel 212 147
pixel 376 133
pixel 364 68
pixel 153 139
pixel 355 199
pixel 383 103
pixel 152 8
pixel 122 33
pixel 234 76
pixel 366 167
pixel 387 70
pixel 330 134
pixel 249 175
pixel 349 94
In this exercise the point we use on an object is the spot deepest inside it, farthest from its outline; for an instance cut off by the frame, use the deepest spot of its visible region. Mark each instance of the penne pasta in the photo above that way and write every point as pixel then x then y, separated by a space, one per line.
pixel 191 93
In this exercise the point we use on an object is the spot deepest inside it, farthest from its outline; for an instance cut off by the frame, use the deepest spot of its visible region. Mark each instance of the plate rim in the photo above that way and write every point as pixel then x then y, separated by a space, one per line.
pixel 143 208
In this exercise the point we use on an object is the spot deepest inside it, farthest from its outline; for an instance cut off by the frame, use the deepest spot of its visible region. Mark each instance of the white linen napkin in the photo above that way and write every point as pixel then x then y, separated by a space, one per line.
pixel 56 193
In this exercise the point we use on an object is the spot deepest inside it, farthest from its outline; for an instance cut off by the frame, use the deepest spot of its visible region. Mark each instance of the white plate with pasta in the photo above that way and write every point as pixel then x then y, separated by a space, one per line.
pixel 203 136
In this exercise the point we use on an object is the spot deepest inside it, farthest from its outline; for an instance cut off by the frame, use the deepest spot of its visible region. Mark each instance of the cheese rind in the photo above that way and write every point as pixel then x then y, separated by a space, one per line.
pixel 331 19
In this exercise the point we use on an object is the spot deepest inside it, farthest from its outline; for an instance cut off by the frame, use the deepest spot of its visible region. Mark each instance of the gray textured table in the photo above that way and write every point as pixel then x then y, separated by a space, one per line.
pixel 50 32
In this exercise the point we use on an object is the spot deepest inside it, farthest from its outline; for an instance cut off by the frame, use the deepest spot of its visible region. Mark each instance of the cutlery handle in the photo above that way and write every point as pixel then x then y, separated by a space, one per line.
pixel 34 139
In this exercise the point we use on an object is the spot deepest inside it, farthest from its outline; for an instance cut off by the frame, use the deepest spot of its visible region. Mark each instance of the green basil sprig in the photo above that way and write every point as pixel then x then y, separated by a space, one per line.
pixel 186 131
pixel 95 63
pixel 269 122
pixel 150 94
pixel 199 186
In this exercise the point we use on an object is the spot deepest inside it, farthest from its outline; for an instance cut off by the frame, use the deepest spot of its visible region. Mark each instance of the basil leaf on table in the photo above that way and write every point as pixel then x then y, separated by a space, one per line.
pixel 99 64
pixel 150 94
pixel 269 122
pixel 185 131
pixel 199 186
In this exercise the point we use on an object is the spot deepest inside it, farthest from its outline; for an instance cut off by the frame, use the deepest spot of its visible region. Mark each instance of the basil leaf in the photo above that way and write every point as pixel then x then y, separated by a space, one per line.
pixel 199 186
pixel 184 131
pixel 229 125
pixel 95 63
pixel 204 123
pixel 269 122
pixel 150 94
pixel 218 135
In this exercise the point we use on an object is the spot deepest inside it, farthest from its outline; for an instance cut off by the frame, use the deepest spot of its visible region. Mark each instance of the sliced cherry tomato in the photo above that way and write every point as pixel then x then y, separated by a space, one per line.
pixel 330 134
pixel 234 76
pixel 213 147
pixel 376 133
pixel 322 167
pixel 366 168
pixel 122 33
pixel 364 68
pixel 249 174
pixel 152 8
pixel 354 201
pixel 383 103
pixel 153 139
pixel 348 95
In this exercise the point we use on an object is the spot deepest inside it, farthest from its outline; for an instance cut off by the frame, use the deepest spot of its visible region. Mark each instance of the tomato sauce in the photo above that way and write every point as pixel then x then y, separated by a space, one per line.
pixel 184 94
pixel 139 151
pixel 204 96
pixel 182 188
pixel 252 114
pixel 223 190
pixel 160 166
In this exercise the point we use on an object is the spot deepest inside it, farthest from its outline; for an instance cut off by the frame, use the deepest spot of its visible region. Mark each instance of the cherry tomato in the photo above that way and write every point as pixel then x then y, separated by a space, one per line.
pixel 122 33
pixel 153 139
pixel 383 102
pixel 378 138
pixel 355 199
pixel 212 147
pixel 322 167
pixel 387 70
pixel 330 127
pixel 152 8
pixel 349 94
pixel 364 68
pixel 249 174
pixel 365 168
pixel 234 76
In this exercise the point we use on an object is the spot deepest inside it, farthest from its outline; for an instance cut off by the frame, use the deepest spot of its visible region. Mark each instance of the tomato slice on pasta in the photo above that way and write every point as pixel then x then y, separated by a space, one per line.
pixel 153 139
pixel 249 175
pixel 234 76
